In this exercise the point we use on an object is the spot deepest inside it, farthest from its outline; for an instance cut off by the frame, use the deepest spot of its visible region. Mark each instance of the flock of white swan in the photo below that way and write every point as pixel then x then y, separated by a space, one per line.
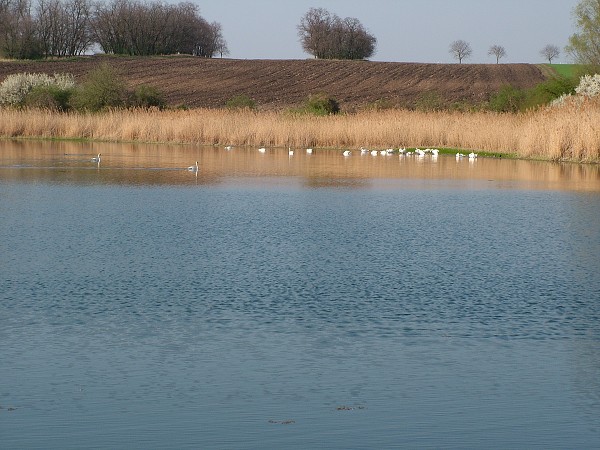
pixel 419 153
pixel 434 152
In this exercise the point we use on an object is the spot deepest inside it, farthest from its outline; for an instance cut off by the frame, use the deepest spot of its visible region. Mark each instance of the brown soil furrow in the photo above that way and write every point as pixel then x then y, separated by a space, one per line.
pixel 279 84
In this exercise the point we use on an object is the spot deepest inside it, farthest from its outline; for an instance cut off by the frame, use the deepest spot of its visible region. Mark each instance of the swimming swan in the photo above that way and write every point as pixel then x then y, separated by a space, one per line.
pixel 96 158
pixel 193 168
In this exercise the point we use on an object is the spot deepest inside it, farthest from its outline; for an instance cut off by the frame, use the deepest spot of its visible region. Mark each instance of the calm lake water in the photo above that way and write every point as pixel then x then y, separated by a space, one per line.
pixel 312 301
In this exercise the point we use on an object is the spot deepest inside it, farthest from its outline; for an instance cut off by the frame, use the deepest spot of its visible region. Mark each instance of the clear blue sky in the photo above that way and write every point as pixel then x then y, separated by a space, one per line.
pixel 406 30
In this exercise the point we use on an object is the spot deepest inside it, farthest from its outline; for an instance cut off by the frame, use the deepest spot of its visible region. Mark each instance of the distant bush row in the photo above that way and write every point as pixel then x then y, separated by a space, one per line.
pixel 513 99
pixel 507 99
pixel 103 89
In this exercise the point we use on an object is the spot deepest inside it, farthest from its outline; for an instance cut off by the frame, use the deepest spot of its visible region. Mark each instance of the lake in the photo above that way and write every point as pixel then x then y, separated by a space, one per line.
pixel 270 301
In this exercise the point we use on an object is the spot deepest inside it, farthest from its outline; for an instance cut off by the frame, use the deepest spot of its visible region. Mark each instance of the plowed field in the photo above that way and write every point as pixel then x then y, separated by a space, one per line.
pixel 277 84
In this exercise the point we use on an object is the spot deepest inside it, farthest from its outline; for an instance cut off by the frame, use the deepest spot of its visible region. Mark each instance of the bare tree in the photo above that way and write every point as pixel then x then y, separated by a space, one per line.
pixel 18 32
pixel 109 27
pixel 550 52
pixel 135 27
pixel 220 42
pixel 460 50
pixel 209 38
pixel 327 36
pixel 183 29
pixel 498 51
pixel 219 45
pixel 138 27
pixel 315 31
pixel 357 43
pixel 64 27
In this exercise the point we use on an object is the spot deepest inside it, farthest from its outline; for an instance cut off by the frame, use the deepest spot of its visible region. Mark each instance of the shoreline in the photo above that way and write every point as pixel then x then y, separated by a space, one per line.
pixel 554 134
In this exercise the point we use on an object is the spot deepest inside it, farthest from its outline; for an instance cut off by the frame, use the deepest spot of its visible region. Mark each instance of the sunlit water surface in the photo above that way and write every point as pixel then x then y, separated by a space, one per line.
pixel 315 301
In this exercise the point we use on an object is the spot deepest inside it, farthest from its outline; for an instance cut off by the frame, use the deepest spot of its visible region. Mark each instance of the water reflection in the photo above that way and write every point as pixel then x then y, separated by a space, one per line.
pixel 77 162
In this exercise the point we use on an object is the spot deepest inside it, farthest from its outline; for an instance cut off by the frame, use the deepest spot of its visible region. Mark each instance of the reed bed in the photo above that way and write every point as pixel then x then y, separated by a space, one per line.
pixel 570 132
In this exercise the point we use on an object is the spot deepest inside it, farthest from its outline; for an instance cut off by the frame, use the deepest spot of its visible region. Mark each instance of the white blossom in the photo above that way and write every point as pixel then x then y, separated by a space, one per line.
pixel 15 88
pixel 589 86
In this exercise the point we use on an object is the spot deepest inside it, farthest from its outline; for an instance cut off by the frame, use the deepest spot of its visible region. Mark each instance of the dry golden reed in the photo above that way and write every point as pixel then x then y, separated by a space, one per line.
pixel 570 132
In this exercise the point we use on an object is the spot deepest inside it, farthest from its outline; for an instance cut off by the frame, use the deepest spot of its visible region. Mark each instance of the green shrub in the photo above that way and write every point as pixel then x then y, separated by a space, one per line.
pixel 550 90
pixel 322 105
pixel 464 106
pixel 508 99
pixel 145 96
pixel 430 101
pixel 102 89
pixel 240 102
pixel 380 105
pixel 512 99
pixel 49 97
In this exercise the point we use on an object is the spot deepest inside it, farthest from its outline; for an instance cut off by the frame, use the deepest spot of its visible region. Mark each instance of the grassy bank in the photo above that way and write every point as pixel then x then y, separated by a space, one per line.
pixel 567 70
pixel 566 133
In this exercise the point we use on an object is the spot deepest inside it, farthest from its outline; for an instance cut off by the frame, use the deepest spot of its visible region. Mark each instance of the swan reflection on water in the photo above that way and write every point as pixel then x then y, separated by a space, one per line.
pixel 158 164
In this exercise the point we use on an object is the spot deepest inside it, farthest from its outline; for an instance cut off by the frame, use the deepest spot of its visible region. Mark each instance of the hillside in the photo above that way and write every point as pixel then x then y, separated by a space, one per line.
pixel 277 84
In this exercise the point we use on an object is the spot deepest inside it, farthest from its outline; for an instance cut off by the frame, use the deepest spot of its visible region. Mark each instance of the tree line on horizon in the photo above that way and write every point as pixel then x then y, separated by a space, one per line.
pixel 64 28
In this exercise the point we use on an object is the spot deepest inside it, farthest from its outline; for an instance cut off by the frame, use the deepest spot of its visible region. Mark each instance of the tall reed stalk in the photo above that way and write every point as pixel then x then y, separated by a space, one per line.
pixel 570 132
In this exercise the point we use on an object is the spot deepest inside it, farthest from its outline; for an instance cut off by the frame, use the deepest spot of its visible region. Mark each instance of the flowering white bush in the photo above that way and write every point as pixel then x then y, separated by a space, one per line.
pixel 561 100
pixel 589 86
pixel 15 88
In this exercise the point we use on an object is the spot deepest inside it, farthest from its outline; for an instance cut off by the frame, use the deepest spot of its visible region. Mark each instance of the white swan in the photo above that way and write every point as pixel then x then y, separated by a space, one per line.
pixel 290 151
pixel 309 150
pixel 193 168
pixel 472 155
pixel 347 153
pixel 96 158
pixel 364 151
pixel 374 153
pixel 229 147
pixel 262 149
pixel 434 151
